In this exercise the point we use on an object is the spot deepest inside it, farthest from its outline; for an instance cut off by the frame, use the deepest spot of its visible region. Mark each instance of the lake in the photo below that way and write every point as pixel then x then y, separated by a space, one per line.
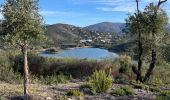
pixel 83 53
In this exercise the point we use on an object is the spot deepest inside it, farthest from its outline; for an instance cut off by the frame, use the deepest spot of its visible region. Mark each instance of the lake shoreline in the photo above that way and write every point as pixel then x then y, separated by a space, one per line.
pixel 82 53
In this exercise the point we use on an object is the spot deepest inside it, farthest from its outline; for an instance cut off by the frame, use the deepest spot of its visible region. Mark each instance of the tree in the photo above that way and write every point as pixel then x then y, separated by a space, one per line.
pixel 159 21
pixel 148 29
pixel 22 24
pixel 140 47
pixel 136 26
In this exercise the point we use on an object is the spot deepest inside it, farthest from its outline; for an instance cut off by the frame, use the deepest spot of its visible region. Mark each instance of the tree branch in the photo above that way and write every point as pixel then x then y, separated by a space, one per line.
pixel 161 2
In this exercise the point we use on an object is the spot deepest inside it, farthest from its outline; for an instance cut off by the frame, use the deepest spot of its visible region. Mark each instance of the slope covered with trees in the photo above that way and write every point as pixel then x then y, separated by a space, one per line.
pixel 64 33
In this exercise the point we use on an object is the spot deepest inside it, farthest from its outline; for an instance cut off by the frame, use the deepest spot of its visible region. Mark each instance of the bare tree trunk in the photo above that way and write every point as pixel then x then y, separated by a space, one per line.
pixel 26 71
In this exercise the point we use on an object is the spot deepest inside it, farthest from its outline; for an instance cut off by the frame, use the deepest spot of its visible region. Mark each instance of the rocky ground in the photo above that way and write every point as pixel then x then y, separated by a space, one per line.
pixel 58 92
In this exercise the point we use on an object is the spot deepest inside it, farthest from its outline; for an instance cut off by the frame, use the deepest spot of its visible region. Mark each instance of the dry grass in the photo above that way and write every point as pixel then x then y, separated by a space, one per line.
pixel 10 90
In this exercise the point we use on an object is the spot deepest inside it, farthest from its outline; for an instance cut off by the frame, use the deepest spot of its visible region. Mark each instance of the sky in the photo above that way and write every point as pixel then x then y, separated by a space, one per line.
pixel 86 12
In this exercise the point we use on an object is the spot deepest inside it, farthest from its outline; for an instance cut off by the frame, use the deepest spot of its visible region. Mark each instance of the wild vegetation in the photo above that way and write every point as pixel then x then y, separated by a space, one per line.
pixel 22 23
pixel 142 71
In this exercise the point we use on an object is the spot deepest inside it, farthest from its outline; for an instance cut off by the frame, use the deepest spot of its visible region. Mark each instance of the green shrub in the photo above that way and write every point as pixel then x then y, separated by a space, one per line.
pixel 128 90
pixel 154 89
pixel 87 85
pixel 165 93
pixel 162 98
pixel 7 73
pixel 78 68
pixel 101 82
pixel 121 80
pixel 76 93
pixel 138 85
pixel 125 64
pixel 125 90
pixel 55 79
pixel 119 92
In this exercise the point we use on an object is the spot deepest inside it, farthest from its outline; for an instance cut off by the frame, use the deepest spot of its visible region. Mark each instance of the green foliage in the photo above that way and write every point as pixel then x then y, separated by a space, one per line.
pixel 119 92
pixel 101 82
pixel 121 79
pixel 54 79
pixel 154 89
pixel 76 93
pixel 87 85
pixel 22 21
pixel 143 24
pixel 148 29
pixel 138 85
pixel 165 93
pixel 125 64
pixel 161 74
pixel 128 90
pixel 124 90
pixel 7 73
pixel 77 68
pixel 162 98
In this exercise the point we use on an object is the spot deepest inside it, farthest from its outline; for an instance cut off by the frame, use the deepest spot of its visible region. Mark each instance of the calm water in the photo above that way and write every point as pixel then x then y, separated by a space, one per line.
pixel 81 53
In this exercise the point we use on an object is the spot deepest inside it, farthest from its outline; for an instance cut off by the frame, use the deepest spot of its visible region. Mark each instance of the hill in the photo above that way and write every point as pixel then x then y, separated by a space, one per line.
pixel 107 27
pixel 64 33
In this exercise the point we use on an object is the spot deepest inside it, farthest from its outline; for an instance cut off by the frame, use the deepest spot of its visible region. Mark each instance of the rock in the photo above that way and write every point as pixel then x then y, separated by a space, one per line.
pixel 48 98
pixel 87 91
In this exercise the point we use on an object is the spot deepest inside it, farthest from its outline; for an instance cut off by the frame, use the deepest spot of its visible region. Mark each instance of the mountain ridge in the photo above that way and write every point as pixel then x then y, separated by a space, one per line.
pixel 106 27
pixel 66 33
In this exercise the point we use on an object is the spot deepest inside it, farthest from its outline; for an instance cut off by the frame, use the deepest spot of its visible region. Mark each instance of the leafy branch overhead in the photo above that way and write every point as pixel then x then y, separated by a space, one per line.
pixel 22 21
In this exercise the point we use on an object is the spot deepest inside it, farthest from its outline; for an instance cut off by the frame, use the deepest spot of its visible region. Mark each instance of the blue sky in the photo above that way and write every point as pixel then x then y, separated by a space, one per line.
pixel 87 12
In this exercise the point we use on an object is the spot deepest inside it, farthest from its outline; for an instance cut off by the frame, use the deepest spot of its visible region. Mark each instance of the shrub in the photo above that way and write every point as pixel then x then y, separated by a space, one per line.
pixel 165 93
pixel 121 80
pixel 7 73
pixel 125 90
pixel 125 64
pixel 128 90
pixel 54 79
pixel 138 85
pixel 87 85
pixel 78 68
pixel 76 93
pixel 119 92
pixel 156 82
pixel 154 89
pixel 162 98
pixel 101 82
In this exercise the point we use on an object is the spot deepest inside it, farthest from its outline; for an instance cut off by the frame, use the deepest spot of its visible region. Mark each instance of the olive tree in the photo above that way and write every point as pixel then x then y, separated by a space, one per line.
pixel 158 22
pixel 22 24
pixel 148 29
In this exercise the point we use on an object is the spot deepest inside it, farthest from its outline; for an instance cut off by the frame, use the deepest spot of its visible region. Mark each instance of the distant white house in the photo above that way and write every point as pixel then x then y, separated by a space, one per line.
pixel 84 40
